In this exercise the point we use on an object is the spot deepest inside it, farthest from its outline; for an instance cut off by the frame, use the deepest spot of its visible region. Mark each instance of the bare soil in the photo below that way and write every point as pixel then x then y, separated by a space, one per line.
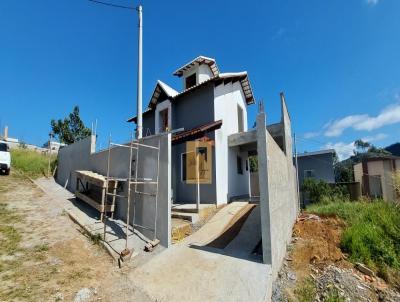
pixel 45 257
pixel 314 257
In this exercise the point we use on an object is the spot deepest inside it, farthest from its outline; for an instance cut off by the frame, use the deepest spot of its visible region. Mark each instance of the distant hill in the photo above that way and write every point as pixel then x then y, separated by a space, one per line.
pixel 394 149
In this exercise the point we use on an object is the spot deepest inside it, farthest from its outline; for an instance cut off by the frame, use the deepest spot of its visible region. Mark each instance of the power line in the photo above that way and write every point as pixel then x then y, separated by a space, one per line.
pixel 113 5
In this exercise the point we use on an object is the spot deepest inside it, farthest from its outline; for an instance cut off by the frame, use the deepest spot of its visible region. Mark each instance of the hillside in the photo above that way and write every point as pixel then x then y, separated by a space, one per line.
pixel 394 149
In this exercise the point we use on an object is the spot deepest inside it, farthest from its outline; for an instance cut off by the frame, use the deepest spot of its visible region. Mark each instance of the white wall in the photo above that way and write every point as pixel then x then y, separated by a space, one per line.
pixel 226 99
pixel 160 107
pixel 203 73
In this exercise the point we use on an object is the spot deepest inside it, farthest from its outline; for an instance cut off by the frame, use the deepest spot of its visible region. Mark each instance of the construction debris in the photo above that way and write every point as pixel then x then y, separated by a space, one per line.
pixel 365 270
pixel 151 245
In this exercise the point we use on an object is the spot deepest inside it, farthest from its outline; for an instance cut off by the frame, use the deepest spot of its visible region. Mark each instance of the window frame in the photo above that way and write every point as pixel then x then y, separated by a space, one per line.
pixel 239 165
pixel 309 170
pixel 193 78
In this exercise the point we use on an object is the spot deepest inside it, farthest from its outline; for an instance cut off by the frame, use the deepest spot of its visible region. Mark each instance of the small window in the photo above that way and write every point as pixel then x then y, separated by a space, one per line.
pixel 164 120
pixel 240 119
pixel 190 81
pixel 183 165
pixel 239 165
pixel 309 174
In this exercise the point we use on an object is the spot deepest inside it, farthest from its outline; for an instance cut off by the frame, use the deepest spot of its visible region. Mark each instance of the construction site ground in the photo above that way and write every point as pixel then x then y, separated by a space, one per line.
pixel 46 256
pixel 316 264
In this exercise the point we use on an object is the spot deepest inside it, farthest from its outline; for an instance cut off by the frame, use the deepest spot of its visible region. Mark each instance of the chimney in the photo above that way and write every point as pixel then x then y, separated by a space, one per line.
pixel 5 133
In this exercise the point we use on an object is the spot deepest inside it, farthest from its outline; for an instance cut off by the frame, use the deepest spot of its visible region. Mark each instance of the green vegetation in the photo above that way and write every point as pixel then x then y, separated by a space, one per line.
pixel 306 291
pixel 31 163
pixel 71 128
pixel 371 235
pixel 321 192
pixel 333 296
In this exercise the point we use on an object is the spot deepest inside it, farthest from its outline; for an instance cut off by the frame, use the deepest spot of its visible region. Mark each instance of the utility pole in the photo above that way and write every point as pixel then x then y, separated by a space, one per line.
pixel 139 130
pixel 49 166
pixel 297 171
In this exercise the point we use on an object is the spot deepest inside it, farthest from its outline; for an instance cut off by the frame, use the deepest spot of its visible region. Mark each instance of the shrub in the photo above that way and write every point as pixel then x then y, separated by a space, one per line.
pixel 321 192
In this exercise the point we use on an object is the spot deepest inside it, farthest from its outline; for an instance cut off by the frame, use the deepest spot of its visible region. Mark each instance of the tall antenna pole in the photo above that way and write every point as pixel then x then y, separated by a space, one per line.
pixel 297 173
pixel 139 130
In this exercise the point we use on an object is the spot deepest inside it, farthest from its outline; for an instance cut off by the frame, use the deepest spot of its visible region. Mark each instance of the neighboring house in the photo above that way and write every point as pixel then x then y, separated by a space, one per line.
pixel 55 146
pixel 317 165
pixel 211 106
pixel 375 176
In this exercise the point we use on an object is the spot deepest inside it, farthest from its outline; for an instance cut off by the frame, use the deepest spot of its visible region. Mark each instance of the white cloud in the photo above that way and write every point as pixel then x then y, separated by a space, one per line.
pixel 342 149
pixel 372 2
pixel 374 138
pixel 311 134
pixel 388 116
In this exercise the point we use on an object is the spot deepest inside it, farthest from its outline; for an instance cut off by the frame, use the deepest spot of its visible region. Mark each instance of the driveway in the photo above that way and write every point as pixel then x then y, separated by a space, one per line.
pixel 195 270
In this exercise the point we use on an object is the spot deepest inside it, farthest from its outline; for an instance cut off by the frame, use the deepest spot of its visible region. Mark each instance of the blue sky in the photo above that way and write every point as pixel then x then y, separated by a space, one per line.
pixel 337 62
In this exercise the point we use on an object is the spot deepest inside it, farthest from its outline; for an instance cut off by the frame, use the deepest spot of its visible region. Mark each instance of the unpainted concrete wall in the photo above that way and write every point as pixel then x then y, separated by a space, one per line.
pixel 74 157
pixel 278 193
pixel 81 156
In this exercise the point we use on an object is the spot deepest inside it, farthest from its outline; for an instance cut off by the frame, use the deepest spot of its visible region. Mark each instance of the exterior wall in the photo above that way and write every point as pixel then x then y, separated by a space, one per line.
pixel 194 108
pixel 81 156
pixel 203 73
pixel 227 98
pixel 380 177
pixel 238 184
pixel 358 173
pixel 278 196
pixel 74 157
pixel 160 107
pixel 186 193
pixel 322 164
pixel 149 124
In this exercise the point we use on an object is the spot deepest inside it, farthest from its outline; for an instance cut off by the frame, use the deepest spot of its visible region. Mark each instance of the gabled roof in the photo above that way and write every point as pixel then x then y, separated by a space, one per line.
pixel 222 77
pixel 161 87
pixel 199 60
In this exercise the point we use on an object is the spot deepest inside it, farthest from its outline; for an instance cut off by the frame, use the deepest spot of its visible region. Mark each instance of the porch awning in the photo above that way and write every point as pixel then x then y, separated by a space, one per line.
pixel 196 132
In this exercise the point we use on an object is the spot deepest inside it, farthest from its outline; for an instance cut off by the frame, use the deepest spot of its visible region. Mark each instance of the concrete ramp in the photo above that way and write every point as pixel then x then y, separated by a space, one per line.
pixel 194 271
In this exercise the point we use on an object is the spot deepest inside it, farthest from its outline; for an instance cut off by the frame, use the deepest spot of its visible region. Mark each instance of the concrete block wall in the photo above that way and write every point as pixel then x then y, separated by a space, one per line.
pixel 81 156
pixel 278 194
pixel 74 157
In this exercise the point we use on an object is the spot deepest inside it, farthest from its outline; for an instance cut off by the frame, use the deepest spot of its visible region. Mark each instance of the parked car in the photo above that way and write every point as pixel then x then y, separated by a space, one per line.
pixel 5 158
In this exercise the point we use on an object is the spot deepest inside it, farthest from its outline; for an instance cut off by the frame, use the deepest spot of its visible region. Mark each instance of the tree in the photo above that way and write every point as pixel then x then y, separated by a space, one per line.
pixel 360 144
pixel 71 129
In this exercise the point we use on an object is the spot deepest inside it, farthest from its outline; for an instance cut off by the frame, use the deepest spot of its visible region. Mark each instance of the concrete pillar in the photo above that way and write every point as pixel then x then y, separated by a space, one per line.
pixel 264 190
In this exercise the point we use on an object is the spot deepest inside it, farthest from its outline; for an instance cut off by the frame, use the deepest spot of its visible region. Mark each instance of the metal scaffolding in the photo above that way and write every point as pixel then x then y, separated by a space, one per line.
pixel 134 180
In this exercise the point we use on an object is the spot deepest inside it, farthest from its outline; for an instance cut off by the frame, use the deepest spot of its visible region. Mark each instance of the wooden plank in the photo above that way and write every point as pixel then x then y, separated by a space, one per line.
pixel 93 203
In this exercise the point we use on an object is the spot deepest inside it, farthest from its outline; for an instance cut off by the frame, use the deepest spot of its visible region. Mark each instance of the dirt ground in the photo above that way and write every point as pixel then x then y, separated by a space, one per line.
pixel 316 265
pixel 45 257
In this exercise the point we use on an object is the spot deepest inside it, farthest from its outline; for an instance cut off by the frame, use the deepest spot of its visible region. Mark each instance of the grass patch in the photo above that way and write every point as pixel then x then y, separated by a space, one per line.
pixel 371 235
pixel 9 235
pixel 333 296
pixel 95 238
pixel 32 163
pixel 306 291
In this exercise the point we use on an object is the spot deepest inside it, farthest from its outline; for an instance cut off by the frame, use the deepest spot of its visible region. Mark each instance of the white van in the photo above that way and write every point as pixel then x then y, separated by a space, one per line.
pixel 5 158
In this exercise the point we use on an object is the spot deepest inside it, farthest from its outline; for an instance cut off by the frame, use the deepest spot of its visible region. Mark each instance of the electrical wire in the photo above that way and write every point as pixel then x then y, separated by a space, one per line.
pixel 113 5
